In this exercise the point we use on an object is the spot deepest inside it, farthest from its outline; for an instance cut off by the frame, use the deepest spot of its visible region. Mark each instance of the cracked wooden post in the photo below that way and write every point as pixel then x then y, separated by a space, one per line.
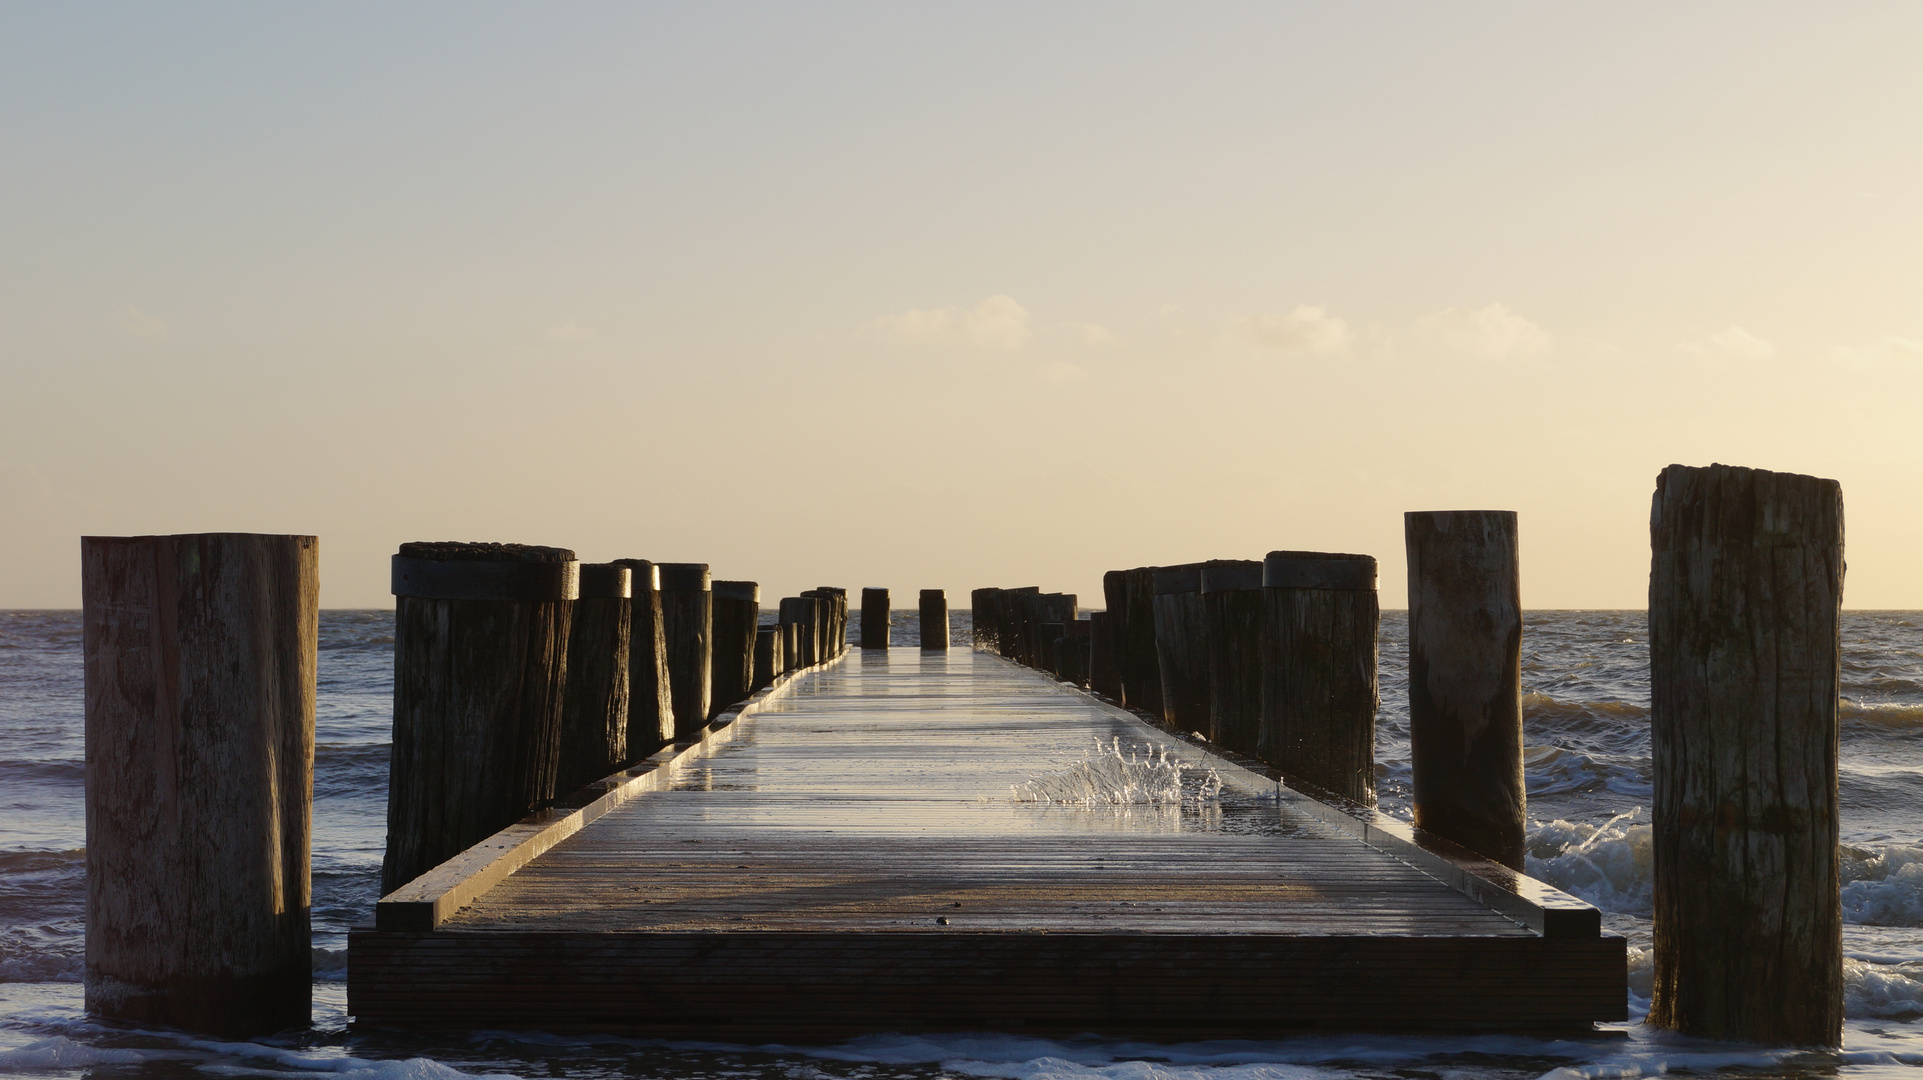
pixel 1465 679
pixel 1745 599
pixel 934 620
pixel 594 712
pixel 874 618
pixel 1232 613
pixel 1319 621
pixel 199 656
pixel 687 621
pixel 731 671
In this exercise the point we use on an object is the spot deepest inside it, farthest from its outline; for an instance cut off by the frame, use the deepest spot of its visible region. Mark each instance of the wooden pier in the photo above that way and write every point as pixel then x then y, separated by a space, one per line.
pixel 846 854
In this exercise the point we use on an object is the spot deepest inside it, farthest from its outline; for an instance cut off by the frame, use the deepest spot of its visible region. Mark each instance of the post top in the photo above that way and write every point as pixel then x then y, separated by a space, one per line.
pixel 738 590
pixel 1181 578
pixel 482 551
pixel 933 594
pixel 646 574
pixel 1231 575
pixel 484 579
pixel 1318 570
pixel 685 576
pixel 606 581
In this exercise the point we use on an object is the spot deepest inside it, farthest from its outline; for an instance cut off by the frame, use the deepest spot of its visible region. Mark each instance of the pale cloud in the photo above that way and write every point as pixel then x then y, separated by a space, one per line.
pixel 136 323
pixel 1886 350
pixel 1488 333
pixel 571 331
pixel 1734 343
pixel 1306 329
pixel 997 323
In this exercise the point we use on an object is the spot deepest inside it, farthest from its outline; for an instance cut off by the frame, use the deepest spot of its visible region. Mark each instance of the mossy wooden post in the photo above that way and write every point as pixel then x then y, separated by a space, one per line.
pixel 650 687
pixel 594 713
pixel 1232 613
pixel 1319 621
pixel 874 618
pixel 687 620
pixel 985 630
pixel 768 658
pixel 199 656
pixel 1465 679
pixel 1103 676
pixel 480 674
pixel 1745 598
pixel 1181 646
pixel 1105 672
pixel 731 675
pixel 934 620
pixel 1141 665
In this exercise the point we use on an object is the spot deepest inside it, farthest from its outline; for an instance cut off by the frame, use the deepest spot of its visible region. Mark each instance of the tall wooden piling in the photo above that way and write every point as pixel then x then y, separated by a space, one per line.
pixel 1745 598
pixel 1181 646
pixel 480 671
pixel 1073 659
pixel 1320 616
pixel 1104 677
pixel 687 618
pixel 199 655
pixel 874 618
pixel 985 627
pixel 737 613
pixel 1232 619
pixel 798 614
pixel 837 624
pixel 1141 664
pixel 768 658
pixel 650 687
pixel 790 644
pixel 1465 679
pixel 934 620
pixel 1016 616
pixel 1048 646
pixel 594 711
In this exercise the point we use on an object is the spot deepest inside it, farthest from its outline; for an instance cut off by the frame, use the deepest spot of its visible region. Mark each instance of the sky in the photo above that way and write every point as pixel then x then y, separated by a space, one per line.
pixel 924 296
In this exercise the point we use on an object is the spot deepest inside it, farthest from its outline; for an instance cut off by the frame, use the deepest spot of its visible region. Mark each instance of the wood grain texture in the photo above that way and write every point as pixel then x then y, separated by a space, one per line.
pixel 1745 595
pixel 1319 683
pixel 478 692
pixel 199 654
pixel 769 663
pixel 1181 646
pixel 737 614
pixel 687 622
pixel 934 619
pixel 1141 666
pixel 1233 618
pixel 650 687
pixel 1465 678
pixel 594 711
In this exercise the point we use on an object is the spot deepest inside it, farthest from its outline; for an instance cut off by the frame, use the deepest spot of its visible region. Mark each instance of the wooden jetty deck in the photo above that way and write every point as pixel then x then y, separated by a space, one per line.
pixel 851 858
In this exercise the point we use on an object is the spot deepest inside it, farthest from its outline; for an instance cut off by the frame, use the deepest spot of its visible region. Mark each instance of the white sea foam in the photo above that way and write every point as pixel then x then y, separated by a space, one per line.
pixel 1608 865
pixel 1111 774
pixel 59 1053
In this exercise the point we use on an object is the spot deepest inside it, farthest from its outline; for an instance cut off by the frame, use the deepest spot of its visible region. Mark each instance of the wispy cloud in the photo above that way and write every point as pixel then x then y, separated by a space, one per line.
pixel 136 323
pixel 1734 343
pixel 1487 333
pixel 997 323
pixel 1306 329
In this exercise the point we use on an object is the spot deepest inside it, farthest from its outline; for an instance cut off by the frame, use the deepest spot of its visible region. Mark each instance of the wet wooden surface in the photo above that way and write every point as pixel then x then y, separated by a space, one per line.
pixel 880 796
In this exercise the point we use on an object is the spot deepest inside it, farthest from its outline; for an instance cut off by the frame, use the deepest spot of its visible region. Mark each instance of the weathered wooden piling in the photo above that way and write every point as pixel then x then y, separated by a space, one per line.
pixel 687 618
pixel 737 612
pixel 1141 665
pixel 799 612
pixel 983 618
pixel 823 624
pixel 790 645
pixel 1072 662
pixel 199 655
pixel 1465 679
pixel 1319 621
pixel 480 665
pixel 768 658
pixel 594 711
pixel 1115 634
pixel 837 625
pixel 650 687
pixel 1181 646
pixel 1232 619
pixel 1048 647
pixel 1104 676
pixel 1017 614
pixel 875 618
pixel 934 620
pixel 1745 598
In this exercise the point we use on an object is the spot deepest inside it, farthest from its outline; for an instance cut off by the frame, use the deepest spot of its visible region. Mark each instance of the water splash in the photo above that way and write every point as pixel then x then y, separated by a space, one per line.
pixel 1111 774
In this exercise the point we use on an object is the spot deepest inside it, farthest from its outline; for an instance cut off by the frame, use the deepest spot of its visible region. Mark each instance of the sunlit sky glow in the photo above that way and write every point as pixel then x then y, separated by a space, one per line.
pixel 925 296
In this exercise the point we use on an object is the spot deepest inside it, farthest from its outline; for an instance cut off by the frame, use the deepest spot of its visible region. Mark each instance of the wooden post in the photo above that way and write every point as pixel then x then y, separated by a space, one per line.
pixel 1141 665
pixel 1105 672
pixel 1465 679
pixel 1181 646
pixel 1232 612
pixel 874 618
pixel 934 620
pixel 986 630
pixel 687 618
pixel 1745 598
pixel 1015 622
pixel 737 611
pixel 480 673
pixel 1103 676
pixel 1074 657
pixel 790 645
pixel 823 625
pixel 768 658
pixel 1319 623
pixel 1048 647
pixel 650 687
pixel 837 626
pixel 199 654
pixel 594 712
pixel 799 612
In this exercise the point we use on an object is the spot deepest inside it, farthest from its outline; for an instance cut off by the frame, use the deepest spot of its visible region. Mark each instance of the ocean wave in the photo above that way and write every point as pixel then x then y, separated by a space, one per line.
pixel 60 1053
pixel 1554 770
pixel 1608 865
pixel 1882 884
pixel 1887 714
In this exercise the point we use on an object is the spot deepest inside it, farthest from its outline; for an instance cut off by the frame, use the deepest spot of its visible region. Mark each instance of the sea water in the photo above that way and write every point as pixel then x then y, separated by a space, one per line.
pixel 1586 713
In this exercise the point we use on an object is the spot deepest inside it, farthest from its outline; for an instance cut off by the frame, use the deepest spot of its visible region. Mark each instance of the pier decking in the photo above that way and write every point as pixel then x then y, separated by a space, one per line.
pixel 852 859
